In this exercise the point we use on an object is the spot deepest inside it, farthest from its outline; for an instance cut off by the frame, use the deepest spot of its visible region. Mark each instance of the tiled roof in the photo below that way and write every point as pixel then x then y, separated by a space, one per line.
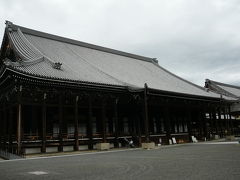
pixel 90 63
pixel 225 89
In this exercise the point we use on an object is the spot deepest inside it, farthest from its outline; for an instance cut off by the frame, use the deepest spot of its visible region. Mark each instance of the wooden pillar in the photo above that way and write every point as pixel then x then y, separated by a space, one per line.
pixel 103 119
pixel 76 143
pixel 189 123
pixel 138 124
pixel 89 124
pixel 1 128
pixel 146 120
pixel 227 121
pixel 178 122
pixel 135 122
pixel 10 130
pixel 44 119
pixel 19 121
pixel 210 123
pixel 220 122
pixel 205 126
pixel 60 105
pixel 110 125
pixel 231 121
pixel 215 121
pixel 116 143
pixel 167 123
pixel 200 121
pixel 5 128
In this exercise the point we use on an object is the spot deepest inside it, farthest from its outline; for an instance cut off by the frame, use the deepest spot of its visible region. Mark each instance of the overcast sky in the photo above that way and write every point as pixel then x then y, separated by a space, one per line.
pixel 195 39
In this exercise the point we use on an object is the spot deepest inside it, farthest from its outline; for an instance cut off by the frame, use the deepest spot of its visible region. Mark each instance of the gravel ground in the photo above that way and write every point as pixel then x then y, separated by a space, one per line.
pixel 189 161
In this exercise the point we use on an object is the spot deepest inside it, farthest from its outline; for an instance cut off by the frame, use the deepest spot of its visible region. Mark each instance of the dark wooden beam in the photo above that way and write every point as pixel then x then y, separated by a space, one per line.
pixel 227 121
pixel 1 128
pixel 211 122
pixel 19 121
pixel 139 131
pixel 178 122
pixel 76 144
pixel 223 123
pixel 200 125
pixel 116 142
pixel 5 128
pixel 89 124
pixel 103 118
pixel 60 147
pixel 230 120
pixel 146 120
pixel 189 122
pixel 167 123
pixel 215 120
pixel 44 116
pixel 10 130
pixel 132 121
pixel 205 126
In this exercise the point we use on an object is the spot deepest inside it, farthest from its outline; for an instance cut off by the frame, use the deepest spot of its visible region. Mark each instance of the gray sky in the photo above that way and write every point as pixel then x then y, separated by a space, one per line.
pixel 195 39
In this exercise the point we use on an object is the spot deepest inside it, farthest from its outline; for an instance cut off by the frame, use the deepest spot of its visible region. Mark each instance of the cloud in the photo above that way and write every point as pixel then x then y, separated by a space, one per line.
pixel 191 38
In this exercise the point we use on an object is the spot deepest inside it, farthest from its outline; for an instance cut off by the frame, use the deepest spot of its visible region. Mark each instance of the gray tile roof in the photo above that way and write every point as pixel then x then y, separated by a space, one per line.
pixel 232 90
pixel 90 63
pixel 225 89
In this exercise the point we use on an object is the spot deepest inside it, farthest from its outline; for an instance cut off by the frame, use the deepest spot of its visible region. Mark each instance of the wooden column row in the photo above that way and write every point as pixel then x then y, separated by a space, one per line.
pixel 6 128
pixel 222 124
pixel 167 118
pixel 89 123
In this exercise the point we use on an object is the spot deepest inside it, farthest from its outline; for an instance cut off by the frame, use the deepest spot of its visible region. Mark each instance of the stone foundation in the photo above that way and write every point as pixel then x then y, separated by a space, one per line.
pixel 67 148
pixel 216 137
pixel 230 138
pixel 32 150
pixel 150 145
pixel 51 149
pixel 102 146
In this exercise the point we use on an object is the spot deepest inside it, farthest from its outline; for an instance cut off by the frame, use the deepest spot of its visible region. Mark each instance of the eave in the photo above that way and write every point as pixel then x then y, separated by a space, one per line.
pixel 22 76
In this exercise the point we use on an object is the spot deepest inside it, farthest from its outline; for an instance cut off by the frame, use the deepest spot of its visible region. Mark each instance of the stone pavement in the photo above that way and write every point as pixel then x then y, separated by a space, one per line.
pixel 188 161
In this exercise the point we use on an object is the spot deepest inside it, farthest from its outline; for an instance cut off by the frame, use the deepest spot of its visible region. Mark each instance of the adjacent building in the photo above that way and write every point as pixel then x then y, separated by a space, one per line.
pixel 229 91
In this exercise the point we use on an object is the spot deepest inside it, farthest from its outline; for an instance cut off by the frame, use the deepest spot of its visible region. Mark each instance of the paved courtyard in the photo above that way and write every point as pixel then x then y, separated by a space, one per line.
pixel 188 161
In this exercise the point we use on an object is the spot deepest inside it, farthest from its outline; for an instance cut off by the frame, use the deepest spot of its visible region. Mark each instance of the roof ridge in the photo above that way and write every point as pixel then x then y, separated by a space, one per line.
pixel 79 43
